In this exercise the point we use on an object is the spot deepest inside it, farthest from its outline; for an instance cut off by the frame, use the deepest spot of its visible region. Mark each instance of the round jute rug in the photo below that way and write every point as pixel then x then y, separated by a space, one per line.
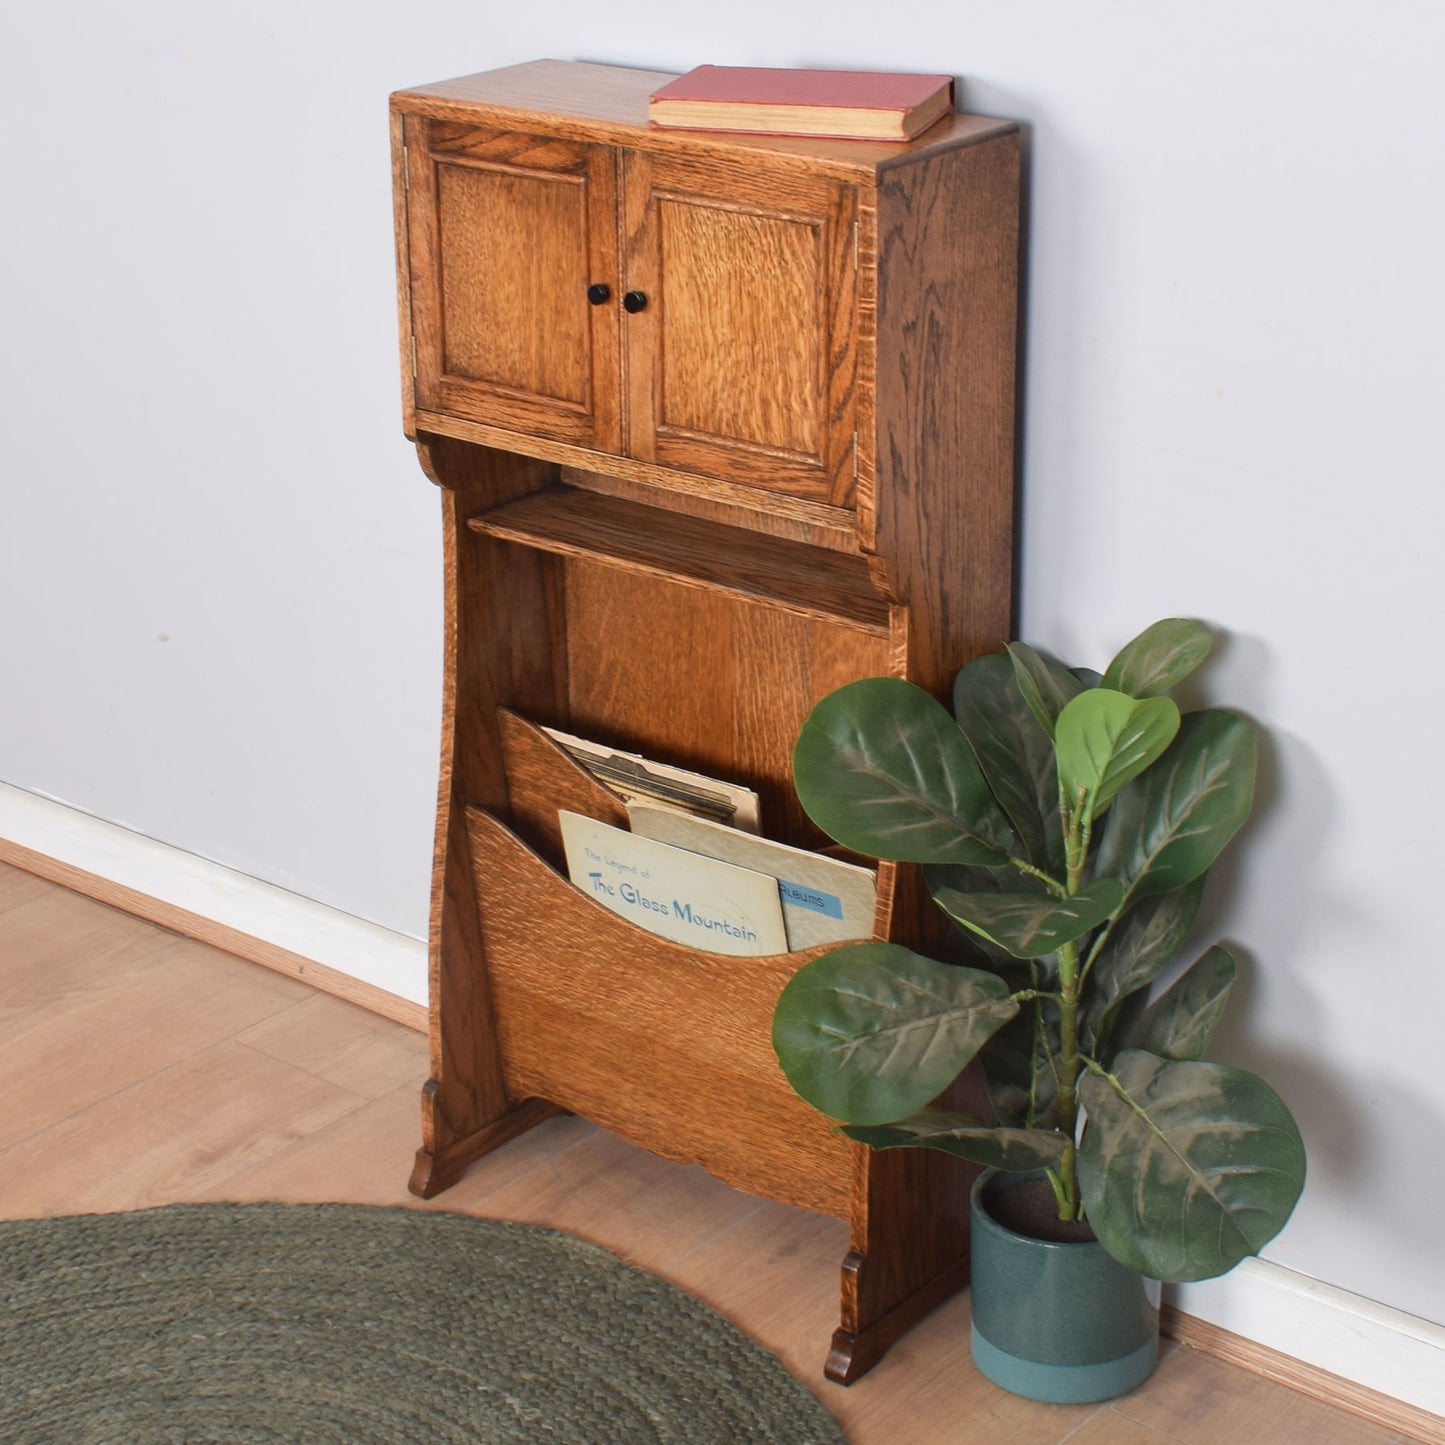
pixel 334 1322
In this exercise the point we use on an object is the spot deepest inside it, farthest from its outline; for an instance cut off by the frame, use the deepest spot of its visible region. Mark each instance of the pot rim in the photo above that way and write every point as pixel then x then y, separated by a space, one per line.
pixel 983 1218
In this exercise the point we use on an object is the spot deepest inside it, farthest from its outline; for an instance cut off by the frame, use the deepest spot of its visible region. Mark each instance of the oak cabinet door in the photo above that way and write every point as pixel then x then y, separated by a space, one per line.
pixel 508 232
pixel 741 363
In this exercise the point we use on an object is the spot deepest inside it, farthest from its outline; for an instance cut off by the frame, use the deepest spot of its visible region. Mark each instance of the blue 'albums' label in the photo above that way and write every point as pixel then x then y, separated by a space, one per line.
pixel 813 898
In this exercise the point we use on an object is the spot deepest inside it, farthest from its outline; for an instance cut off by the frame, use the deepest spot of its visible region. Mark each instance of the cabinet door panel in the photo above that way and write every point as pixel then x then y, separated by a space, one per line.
pixel 742 363
pixel 508 231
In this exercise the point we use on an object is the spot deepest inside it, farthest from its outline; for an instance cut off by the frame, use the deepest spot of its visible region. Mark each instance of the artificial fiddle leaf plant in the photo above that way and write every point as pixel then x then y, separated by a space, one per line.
pixel 1069 821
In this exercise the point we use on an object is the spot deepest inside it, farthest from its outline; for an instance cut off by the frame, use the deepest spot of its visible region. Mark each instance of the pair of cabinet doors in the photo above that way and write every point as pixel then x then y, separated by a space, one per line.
pixel 695 314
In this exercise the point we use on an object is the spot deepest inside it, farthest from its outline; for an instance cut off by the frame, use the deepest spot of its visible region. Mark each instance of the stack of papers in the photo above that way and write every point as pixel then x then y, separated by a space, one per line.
pixel 712 885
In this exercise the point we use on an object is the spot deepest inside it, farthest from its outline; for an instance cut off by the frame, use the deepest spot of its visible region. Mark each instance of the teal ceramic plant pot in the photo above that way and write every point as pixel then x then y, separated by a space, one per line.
pixel 1065 1323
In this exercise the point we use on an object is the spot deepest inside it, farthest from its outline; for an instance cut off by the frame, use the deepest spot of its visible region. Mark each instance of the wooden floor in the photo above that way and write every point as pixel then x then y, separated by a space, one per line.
pixel 139 1068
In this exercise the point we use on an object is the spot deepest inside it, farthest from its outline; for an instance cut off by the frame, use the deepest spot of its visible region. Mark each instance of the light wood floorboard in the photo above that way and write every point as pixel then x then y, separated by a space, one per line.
pixel 138 1068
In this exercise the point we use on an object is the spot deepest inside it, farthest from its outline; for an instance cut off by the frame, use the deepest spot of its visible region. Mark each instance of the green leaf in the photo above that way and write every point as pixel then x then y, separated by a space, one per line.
pixel 882 768
pixel 1019 1065
pixel 1015 755
pixel 1045 686
pixel 966 879
pixel 872 1032
pixel 987 1144
pixel 1186 1168
pixel 1140 946
pixel 1178 1024
pixel 1030 925
pixel 1104 739
pixel 1169 825
pixel 1160 658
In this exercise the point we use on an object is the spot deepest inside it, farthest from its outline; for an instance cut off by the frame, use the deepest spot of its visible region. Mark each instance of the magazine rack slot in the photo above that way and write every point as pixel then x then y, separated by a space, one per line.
pixel 541 778
pixel 618 1025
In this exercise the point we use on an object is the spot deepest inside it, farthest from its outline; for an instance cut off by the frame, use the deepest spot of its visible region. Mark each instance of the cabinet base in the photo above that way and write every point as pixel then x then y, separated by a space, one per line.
pixel 434 1172
pixel 854 1352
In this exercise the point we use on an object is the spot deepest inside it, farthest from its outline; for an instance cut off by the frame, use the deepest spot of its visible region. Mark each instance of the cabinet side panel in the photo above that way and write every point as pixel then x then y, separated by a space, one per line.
pixel 940 522
pixel 400 181
pixel 947 320
pixel 502 628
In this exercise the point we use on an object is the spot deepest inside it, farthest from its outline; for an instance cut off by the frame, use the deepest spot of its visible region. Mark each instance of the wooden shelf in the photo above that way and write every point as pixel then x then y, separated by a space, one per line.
pixel 807 581
pixel 817 522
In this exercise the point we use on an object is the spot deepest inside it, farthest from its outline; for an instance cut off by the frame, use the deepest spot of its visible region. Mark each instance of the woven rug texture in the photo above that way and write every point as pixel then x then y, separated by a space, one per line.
pixel 319 1323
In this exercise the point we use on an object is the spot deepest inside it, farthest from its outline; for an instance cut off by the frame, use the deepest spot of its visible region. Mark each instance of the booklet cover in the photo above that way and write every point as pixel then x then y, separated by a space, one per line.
pixel 698 901
pixel 824 899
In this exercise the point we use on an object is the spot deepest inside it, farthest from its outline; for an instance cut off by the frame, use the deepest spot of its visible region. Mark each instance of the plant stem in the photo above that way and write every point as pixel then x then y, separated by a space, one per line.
pixel 1056 1182
pixel 1031 995
pixel 1057 889
pixel 1069 1075
pixel 1076 849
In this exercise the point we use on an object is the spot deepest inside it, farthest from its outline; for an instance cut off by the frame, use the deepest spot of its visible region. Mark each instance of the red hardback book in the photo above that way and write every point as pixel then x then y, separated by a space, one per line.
pixel 868 105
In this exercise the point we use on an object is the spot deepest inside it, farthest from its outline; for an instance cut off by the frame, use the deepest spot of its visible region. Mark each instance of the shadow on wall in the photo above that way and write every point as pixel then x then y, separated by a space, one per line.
pixel 1288 838
pixel 1057 412
pixel 1294 811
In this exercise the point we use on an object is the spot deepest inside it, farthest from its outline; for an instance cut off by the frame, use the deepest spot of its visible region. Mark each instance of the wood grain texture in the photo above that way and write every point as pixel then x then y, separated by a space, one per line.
pixel 741 365
pixel 505 233
pixel 941 524
pixel 530 268
pixel 345 1045
pixel 502 617
pixel 219 935
pixel 665 1045
pixel 541 778
pixel 728 505
pixel 121 1150
pixel 75 964
pixel 812 483
pixel 680 490
pixel 400 186
pixel 1384 1412
pixel 829 586
pixel 608 103
pixel 706 680
pixel 717 262
pixel 894 1275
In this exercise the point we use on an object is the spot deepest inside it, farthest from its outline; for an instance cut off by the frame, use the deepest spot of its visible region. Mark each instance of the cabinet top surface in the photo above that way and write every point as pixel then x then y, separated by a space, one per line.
pixel 608 103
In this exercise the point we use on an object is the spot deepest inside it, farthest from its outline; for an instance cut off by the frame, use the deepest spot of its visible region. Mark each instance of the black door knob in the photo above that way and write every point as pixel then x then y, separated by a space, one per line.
pixel 634 301
pixel 598 292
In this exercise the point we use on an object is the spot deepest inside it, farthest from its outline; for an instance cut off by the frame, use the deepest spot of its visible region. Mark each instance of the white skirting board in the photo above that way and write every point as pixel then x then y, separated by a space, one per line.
pixel 288 926
pixel 1381 1348
pixel 1344 1334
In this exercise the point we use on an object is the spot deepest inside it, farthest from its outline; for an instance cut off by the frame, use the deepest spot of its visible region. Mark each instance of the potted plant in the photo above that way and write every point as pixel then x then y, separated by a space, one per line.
pixel 1067 822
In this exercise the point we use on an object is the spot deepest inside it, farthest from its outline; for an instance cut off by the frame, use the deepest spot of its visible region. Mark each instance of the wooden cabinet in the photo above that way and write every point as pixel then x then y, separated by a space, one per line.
pixel 721 423
pixel 698 314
